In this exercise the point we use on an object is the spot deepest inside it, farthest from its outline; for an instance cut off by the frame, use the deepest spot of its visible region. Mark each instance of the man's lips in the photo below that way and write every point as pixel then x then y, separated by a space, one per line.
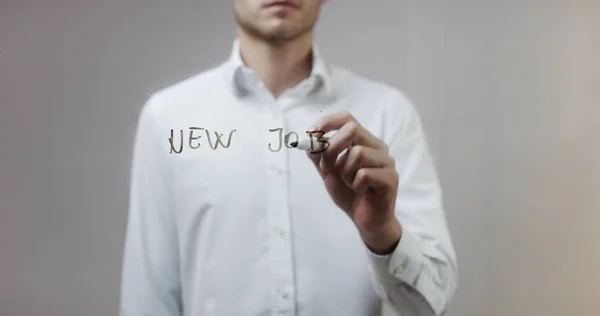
pixel 281 3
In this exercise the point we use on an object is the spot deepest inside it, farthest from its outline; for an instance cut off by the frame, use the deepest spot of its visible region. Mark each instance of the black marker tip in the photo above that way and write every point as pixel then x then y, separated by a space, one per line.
pixel 294 144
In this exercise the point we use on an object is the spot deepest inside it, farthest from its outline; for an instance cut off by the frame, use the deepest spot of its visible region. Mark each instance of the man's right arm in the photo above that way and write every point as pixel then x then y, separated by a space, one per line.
pixel 150 275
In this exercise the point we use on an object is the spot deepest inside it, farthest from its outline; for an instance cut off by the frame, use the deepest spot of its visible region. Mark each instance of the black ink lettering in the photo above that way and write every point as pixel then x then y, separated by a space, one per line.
pixel 325 145
pixel 280 142
pixel 318 139
pixel 192 129
pixel 287 139
pixel 180 146
pixel 310 137
pixel 218 141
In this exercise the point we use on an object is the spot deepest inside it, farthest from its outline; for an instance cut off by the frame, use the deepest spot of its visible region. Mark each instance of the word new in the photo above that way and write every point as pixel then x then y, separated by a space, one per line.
pixel 191 139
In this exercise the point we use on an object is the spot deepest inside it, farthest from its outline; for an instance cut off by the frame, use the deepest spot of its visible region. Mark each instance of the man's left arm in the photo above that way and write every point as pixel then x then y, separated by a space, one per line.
pixel 417 275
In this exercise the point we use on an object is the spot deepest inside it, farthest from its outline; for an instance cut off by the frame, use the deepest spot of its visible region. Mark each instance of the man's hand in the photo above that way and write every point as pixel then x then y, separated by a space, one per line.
pixel 362 181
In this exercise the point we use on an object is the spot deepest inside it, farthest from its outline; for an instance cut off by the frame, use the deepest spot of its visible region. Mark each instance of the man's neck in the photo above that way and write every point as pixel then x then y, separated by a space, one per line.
pixel 278 66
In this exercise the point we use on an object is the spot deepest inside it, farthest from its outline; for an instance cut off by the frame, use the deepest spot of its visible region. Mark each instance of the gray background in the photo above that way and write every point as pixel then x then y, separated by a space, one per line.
pixel 508 91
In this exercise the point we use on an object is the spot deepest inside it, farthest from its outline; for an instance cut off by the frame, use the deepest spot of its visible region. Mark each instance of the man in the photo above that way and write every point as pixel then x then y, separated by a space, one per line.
pixel 227 218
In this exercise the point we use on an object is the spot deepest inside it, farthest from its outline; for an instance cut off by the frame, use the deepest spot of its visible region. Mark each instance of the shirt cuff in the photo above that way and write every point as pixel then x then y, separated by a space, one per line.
pixel 404 263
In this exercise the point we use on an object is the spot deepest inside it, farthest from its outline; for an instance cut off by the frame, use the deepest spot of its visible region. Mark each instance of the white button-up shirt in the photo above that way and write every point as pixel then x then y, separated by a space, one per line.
pixel 225 219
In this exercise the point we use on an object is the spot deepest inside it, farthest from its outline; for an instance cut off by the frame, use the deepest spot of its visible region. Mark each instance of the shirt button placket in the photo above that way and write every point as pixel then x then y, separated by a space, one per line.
pixel 282 298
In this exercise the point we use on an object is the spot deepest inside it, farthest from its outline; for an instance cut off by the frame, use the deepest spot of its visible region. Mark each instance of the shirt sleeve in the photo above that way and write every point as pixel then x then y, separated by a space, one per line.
pixel 150 277
pixel 419 277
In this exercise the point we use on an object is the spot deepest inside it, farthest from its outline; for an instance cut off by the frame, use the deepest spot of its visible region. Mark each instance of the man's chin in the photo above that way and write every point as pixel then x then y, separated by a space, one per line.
pixel 278 35
pixel 275 30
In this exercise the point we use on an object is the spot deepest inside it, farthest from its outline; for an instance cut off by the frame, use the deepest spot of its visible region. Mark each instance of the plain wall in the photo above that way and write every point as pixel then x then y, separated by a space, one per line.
pixel 508 91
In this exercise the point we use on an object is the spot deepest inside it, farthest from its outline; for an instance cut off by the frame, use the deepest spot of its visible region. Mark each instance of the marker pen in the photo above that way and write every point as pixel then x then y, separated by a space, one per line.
pixel 316 144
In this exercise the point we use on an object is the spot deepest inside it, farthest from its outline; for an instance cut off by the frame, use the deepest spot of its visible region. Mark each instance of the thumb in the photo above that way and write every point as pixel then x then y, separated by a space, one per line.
pixel 316 160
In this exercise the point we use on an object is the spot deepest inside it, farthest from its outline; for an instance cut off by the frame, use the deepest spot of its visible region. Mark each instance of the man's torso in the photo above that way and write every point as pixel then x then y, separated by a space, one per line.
pixel 257 230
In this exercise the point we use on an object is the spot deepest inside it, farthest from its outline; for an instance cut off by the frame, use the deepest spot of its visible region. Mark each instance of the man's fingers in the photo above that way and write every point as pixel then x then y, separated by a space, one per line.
pixel 342 159
pixel 351 134
pixel 316 159
pixel 364 151
pixel 382 180
pixel 346 123
pixel 333 121
pixel 359 157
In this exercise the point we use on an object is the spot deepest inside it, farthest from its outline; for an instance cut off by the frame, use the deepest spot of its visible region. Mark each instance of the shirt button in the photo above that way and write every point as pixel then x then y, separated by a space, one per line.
pixel 280 231
pixel 277 170
pixel 399 269
pixel 285 293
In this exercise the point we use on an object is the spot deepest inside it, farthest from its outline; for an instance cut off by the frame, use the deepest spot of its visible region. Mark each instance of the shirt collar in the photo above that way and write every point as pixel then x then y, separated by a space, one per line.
pixel 235 67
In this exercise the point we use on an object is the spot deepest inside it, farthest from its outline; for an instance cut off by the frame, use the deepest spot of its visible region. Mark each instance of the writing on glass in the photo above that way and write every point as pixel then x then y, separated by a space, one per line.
pixel 195 134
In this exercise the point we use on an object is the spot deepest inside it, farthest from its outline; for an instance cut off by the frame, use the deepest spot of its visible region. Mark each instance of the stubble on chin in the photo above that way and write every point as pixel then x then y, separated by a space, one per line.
pixel 275 36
